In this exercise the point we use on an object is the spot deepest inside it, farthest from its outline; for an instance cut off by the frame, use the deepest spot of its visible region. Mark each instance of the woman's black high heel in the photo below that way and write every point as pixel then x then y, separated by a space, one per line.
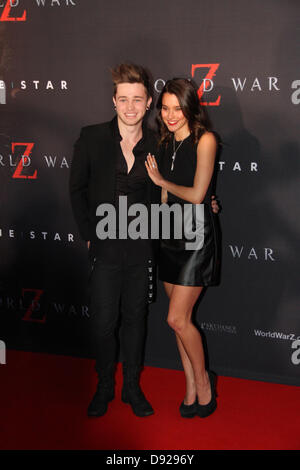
pixel 188 411
pixel 205 410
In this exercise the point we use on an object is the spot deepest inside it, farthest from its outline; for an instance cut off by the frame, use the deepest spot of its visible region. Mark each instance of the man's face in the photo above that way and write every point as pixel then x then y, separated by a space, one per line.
pixel 131 103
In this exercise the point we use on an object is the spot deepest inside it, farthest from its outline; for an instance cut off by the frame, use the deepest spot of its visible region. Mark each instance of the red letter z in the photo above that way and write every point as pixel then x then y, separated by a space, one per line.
pixel 27 316
pixel 29 147
pixel 5 15
pixel 211 73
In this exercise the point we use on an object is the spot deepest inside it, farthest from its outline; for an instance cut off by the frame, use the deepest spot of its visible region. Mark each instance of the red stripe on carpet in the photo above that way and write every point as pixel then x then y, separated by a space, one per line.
pixel 43 401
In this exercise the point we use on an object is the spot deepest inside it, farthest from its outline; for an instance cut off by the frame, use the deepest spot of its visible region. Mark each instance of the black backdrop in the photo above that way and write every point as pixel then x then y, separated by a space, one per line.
pixel 55 58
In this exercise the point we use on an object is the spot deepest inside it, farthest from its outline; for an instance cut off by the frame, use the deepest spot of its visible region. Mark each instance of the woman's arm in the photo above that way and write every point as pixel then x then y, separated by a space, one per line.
pixel 206 154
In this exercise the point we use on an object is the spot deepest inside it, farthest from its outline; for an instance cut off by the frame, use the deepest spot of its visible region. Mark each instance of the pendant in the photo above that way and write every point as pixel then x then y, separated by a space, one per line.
pixel 173 160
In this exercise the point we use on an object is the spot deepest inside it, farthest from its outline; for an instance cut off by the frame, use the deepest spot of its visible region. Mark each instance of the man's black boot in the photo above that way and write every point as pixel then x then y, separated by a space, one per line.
pixel 105 392
pixel 132 393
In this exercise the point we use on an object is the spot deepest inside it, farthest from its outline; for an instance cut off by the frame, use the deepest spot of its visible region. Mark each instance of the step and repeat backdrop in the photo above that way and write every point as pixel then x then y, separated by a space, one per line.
pixel 55 60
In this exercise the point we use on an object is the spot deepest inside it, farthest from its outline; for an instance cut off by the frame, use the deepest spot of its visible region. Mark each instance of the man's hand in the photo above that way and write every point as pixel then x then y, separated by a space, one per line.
pixel 88 244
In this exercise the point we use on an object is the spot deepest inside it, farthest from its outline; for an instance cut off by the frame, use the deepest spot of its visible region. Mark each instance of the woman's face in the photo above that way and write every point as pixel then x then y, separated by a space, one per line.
pixel 173 116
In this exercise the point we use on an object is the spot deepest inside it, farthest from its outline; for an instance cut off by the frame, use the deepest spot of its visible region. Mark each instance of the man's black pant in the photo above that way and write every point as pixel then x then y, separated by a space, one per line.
pixel 118 292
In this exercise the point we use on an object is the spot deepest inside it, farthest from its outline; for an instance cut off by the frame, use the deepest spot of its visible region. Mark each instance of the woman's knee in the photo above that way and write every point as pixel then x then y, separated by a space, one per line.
pixel 177 322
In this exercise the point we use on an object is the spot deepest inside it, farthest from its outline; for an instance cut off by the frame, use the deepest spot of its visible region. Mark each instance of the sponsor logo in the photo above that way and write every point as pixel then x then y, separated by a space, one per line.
pixel 295 96
pixel 203 75
pixel 30 86
pixel 263 254
pixel 212 68
pixel 256 84
pixel 2 352
pixel 295 358
pixel 34 305
pixel 21 161
pixel 24 160
pixel 56 3
pixel 218 328
pixel 36 235
pixel 206 85
pixel 55 162
pixel 8 13
pixel 36 85
pixel 252 167
pixel 81 311
pixel 60 162
pixel 13 10
pixel 277 335
pixel 2 92
pixel 28 307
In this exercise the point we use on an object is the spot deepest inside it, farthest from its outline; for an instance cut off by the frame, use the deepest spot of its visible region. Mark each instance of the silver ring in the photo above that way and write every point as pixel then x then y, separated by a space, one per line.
pixel 153 165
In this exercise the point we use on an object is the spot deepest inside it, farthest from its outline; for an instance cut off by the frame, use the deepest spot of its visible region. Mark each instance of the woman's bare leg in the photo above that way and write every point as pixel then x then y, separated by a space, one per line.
pixel 190 393
pixel 182 301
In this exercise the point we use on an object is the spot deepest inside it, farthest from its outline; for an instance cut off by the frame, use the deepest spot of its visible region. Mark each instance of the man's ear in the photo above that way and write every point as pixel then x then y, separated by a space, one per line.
pixel 114 101
pixel 149 102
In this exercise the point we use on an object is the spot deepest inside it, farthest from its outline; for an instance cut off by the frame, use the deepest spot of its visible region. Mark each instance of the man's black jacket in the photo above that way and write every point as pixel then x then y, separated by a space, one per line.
pixel 93 171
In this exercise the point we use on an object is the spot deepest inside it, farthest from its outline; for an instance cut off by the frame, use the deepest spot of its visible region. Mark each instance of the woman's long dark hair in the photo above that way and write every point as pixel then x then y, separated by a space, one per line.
pixel 195 113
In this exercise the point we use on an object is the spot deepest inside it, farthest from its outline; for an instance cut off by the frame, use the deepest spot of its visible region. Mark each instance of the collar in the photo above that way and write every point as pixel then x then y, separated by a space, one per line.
pixel 116 132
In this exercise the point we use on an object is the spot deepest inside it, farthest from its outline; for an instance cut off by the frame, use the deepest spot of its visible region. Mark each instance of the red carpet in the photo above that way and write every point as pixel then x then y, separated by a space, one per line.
pixel 43 401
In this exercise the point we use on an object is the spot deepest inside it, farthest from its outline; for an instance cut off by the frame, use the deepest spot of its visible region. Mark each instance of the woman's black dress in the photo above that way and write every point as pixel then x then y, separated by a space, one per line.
pixel 176 263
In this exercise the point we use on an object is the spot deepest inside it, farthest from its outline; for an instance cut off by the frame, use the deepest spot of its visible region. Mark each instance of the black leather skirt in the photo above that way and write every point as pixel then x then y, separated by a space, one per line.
pixel 181 265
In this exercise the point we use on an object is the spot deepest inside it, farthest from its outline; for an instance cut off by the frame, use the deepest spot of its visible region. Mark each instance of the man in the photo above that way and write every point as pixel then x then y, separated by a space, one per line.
pixel 109 162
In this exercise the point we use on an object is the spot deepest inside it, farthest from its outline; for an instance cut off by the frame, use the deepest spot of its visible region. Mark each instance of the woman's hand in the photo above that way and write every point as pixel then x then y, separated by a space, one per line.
pixel 152 170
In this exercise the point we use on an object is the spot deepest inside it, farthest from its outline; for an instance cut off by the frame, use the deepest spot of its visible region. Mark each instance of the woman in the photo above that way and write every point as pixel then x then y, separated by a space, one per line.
pixel 187 164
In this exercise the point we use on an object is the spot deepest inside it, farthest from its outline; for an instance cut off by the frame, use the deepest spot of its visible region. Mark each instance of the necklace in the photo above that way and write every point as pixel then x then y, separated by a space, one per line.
pixel 175 150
